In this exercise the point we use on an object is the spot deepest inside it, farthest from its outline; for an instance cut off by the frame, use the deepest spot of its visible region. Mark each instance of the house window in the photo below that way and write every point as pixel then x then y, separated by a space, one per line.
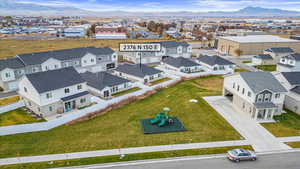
pixel 76 63
pixel 25 89
pixel 39 110
pixel 267 97
pixel 29 103
pixel 49 95
pixel 151 77
pixel 84 61
pixel 260 97
pixel 277 95
pixel 50 108
pixel 159 75
pixel 99 58
pixel 55 66
pixel 79 87
pixel 67 90
pixel 33 69
pixel 244 105
pixel 7 74
pixel 46 67
pixel 83 100
pixel 92 60
pixel 249 94
pixel 243 91
pixel 238 88
pixel 233 86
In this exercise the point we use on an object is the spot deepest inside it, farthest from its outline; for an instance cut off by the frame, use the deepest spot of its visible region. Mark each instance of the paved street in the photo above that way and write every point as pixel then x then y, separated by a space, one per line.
pixel 267 161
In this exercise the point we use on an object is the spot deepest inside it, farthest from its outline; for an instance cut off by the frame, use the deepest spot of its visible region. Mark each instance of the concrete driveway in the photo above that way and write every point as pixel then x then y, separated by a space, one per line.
pixel 253 132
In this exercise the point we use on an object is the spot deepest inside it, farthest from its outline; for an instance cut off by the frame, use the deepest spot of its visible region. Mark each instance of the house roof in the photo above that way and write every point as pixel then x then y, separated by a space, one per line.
pixel 258 39
pixel 137 70
pixel 13 63
pixel 292 77
pixel 180 62
pixel 74 96
pixel 280 50
pixel 264 56
pixel 296 89
pixel 264 105
pixel 65 54
pixel 260 81
pixel 293 56
pixel 54 79
pixel 214 60
pixel 101 80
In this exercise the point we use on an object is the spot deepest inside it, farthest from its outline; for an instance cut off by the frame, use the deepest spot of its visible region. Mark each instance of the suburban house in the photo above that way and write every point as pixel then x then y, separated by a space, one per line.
pixel 291 81
pixel 289 63
pixel 216 63
pixel 250 94
pixel 168 48
pixel 110 33
pixel 74 32
pixel 104 84
pixel 54 92
pixel 181 64
pixel 277 53
pixel 139 72
pixel 263 59
pixel 82 59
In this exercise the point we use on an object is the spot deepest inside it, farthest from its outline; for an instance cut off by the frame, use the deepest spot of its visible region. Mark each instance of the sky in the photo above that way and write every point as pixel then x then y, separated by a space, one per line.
pixel 169 5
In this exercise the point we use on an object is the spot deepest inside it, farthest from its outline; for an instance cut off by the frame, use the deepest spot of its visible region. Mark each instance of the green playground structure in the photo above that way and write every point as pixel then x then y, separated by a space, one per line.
pixel 161 119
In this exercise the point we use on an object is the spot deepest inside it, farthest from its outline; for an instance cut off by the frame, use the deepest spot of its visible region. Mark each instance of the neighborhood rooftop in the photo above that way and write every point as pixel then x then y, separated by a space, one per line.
pixel 100 80
pixel 137 70
pixel 294 56
pixel 260 81
pixel 292 77
pixel 263 56
pixel 280 50
pixel 13 63
pixel 296 89
pixel 54 79
pixel 179 62
pixel 258 39
pixel 214 60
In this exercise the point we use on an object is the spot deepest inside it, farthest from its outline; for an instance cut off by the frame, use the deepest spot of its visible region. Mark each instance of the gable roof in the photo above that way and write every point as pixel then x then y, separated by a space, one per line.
pixel 292 77
pixel 214 60
pixel 12 63
pixel 260 81
pixel 54 79
pixel 296 89
pixel 100 80
pixel 293 56
pixel 280 50
pixel 65 54
pixel 264 56
pixel 180 62
pixel 137 70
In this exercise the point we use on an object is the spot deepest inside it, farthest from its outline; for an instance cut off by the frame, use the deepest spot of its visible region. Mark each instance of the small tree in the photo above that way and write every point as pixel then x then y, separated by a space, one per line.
pixel 238 52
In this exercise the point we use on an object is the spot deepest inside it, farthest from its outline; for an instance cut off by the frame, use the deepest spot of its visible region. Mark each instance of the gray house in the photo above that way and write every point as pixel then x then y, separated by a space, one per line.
pixel 289 63
pixel 181 64
pixel 83 59
pixel 216 63
pixel 104 84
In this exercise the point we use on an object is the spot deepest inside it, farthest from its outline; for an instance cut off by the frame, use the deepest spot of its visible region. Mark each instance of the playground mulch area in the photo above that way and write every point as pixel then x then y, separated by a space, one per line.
pixel 175 126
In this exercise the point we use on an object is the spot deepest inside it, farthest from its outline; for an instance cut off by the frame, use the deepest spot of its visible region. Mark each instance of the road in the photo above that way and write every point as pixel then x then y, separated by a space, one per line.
pixel 268 161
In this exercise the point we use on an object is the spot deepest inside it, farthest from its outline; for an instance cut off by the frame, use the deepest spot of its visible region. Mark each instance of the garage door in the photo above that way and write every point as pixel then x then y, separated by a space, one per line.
pixel 13 85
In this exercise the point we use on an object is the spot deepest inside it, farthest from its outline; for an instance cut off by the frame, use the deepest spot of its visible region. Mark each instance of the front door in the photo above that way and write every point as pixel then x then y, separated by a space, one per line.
pixel 68 106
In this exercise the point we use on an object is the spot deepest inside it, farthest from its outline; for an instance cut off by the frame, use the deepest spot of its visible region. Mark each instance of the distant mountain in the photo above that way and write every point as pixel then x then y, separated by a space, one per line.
pixel 13 7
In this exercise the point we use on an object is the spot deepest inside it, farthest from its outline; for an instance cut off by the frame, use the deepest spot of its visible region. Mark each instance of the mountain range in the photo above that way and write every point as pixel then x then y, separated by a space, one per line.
pixel 12 7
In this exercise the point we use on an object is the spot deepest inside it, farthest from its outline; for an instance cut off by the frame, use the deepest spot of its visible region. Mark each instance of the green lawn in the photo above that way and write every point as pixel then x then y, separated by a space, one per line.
pixel 9 100
pixel 130 157
pixel 293 144
pixel 247 61
pixel 267 68
pixel 159 81
pixel 288 125
pixel 17 116
pixel 121 127
pixel 238 69
pixel 126 91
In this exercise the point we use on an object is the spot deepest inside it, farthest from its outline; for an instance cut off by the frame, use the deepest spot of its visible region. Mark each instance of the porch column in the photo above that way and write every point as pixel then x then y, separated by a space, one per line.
pixel 256 113
pixel 266 113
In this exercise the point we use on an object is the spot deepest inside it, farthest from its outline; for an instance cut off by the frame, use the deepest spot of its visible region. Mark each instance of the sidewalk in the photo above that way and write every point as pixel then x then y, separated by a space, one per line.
pixel 258 136
pixel 135 150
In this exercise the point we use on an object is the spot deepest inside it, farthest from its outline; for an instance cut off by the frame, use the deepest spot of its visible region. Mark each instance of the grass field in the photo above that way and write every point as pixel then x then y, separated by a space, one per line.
pixel 17 116
pixel 159 81
pixel 9 100
pixel 288 125
pixel 121 127
pixel 126 92
pixel 238 69
pixel 293 144
pixel 10 48
pixel 267 68
pixel 130 157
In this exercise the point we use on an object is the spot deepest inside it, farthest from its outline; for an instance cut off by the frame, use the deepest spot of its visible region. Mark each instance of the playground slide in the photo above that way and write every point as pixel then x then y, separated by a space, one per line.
pixel 162 122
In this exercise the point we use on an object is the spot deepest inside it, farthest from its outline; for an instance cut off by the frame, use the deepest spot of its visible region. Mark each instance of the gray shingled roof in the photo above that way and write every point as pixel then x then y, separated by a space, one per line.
pixel 54 79
pixel 264 56
pixel 13 63
pixel 260 81
pixel 65 54
pixel 180 62
pixel 280 50
pixel 296 89
pixel 294 56
pixel 136 70
pixel 75 96
pixel 101 80
pixel 292 77
pixel 214 60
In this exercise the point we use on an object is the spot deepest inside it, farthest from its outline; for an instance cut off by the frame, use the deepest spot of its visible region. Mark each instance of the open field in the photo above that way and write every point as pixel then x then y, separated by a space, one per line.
pixel 17 116
pixel 130 157
pixel 9 100
pixel 10 48
pixel 288 125
pixel 121 127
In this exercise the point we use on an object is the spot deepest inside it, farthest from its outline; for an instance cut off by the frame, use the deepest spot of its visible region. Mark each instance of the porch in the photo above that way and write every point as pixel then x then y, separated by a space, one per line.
pixel 264 111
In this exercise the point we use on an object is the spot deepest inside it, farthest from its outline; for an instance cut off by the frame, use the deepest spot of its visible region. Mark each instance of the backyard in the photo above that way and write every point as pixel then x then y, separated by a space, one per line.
pixel 17 116
pixel 288 125
pixel 121 127
pixel 267 68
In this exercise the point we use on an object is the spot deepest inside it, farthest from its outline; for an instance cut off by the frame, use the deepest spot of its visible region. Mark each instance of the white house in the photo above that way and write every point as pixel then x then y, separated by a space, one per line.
pixel 10 72
pixel 181 64
pixel 277 53
pixel 258 94
pixel 263 59
pixel 139 72
pixel 54 92
pixel 289 63
pixel 216 63
pixel 104 84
